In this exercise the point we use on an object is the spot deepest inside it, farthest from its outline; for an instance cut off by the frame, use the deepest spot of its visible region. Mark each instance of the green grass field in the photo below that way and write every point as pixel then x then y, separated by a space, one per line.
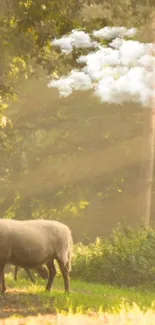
pixel 103 304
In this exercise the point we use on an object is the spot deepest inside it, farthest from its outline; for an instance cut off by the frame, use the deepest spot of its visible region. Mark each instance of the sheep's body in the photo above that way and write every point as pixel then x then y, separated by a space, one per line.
pixel 32 243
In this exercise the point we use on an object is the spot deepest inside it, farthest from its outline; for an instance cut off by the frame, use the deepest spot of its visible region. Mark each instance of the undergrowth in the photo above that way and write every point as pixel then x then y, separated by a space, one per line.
pixel 127 258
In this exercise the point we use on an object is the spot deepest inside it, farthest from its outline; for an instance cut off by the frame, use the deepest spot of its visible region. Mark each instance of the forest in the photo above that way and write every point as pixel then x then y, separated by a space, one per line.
pixel 78 160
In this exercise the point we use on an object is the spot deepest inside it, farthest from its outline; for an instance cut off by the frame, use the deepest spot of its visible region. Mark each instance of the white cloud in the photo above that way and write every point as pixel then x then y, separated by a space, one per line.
pixel 108 33
pixel 77 39
pixel 77 80
pixel 122 72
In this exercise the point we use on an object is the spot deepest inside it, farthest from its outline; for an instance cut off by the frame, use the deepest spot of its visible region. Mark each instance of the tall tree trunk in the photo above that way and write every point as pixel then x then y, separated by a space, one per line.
pixel 147 167
pixel 147 159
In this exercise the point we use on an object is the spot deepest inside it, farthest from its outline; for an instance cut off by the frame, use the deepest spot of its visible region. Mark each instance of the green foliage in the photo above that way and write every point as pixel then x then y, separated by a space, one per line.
pixel 11 211
pixel 26 29
pixel 72 208
pixel 127 258
pixel 41 210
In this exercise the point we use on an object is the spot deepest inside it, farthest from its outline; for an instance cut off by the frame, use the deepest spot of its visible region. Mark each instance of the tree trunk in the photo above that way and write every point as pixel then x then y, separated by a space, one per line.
pixel 147 167
pixel 147 159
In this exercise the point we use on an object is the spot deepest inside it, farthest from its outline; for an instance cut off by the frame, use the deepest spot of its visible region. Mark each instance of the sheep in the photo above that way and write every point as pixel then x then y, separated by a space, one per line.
pixel 41 271
pixel 32 243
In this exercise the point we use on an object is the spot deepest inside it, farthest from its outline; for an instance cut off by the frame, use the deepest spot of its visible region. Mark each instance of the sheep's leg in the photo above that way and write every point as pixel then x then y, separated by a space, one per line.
pixel 65 274
pixel 52 273
pixel 15 273
pixel 28 272
pixel 30 275
pixel 3 283
pixel 2 279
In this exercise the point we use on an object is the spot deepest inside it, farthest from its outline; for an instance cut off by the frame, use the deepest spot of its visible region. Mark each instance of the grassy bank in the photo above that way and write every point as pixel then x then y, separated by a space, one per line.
pixel 23 298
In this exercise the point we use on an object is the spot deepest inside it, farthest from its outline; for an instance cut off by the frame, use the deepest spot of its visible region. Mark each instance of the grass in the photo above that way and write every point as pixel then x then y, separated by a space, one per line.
pixel 24 299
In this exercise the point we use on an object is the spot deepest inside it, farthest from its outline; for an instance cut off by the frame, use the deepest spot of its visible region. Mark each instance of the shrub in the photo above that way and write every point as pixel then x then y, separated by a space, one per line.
pixel 127 258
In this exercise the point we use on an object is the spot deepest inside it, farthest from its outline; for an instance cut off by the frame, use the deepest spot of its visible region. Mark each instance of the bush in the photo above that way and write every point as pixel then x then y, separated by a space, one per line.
pixel 127 258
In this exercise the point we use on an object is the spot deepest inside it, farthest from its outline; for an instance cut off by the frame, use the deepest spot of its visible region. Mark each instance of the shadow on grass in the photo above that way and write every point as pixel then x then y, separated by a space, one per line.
pixel 17 302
